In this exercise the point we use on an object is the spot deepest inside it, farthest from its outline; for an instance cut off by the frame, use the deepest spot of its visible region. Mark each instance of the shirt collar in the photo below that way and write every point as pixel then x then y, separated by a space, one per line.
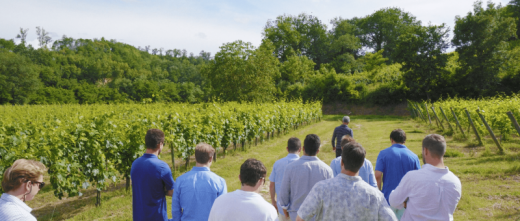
pixel 149 155
pixel 200 169
pixel 293 155
pixel 399 145
pixel 309 158
pixel 13 199
pixel 435 169
pixel 347 177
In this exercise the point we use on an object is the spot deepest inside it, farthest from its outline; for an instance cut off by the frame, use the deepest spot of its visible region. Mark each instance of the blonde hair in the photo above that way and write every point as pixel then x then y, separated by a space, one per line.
pixel 22 171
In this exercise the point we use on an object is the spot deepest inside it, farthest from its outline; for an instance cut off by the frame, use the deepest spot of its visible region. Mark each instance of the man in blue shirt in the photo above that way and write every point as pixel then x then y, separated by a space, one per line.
pixel 151 180
pixel 339 132
pixel 293 147
pixel 195 191
pixel 393 163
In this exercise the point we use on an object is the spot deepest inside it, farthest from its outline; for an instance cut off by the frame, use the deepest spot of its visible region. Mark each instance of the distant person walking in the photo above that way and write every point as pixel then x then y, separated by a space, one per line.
pixel 245 203
pixel 301 175
pixel 431 193
pixel 294 147
pixel 338 133
pixel 152 180
pixel 195 191
pixel 346 197
pixel 366 172
pixel 393 163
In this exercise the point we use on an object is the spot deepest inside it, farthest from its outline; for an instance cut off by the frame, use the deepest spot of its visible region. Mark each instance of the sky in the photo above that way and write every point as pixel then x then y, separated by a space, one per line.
pixel 195 25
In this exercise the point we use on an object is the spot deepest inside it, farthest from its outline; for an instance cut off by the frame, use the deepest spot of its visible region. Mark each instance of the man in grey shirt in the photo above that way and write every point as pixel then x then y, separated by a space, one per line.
pixel 301 175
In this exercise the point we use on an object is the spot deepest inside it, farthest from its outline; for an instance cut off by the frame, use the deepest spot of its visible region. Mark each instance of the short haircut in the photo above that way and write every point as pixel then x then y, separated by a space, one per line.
pixel 353 156
pixel 346 119
pixel 311 144
pixel 203 152
pixel 20 172
pixel 153 138
pixel 436 144
pixel 294 144
pixel 251 171
pixel 346 139
pixel 398 135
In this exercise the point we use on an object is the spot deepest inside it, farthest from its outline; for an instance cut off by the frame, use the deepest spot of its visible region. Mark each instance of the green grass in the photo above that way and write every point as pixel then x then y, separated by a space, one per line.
pixel 490 181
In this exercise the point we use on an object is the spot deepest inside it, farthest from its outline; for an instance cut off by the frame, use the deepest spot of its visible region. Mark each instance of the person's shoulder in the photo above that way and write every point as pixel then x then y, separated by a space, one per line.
pixel 453 178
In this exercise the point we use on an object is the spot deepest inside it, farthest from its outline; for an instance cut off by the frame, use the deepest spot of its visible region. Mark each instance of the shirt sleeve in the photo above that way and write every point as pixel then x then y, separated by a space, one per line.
pixel 167 178
pixel 380 164
pixel 333 167
pixel 385 213
pixel 311 204
pixel 285 189
pixel 352 133
pixel 418 164
pixel 334 138
pixel 224 188
pixel 176 204
pixel 371 175
pixel 399 194
pixel 272 177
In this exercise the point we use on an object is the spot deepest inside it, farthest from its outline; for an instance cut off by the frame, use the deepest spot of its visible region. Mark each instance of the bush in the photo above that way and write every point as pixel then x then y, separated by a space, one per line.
pixel 387 94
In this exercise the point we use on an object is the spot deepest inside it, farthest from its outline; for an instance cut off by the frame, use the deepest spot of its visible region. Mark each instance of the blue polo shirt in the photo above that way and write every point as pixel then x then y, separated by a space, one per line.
pixel 194 194
pixel 151 177
pixel 366 172
pixel 394 162
pixel 277 175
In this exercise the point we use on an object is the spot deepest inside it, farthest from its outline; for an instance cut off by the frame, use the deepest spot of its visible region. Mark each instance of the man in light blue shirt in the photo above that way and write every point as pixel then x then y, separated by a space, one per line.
pixel 195 191
pixel 294 146
pixel 366 172
pixel 301 175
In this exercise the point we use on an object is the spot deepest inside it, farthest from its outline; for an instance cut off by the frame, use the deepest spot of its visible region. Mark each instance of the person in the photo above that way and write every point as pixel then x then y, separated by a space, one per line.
pixel 195 191
pixel 301 175
pixel 393 163
pixel 347 196
pixel 294 146
pixel 431 193
pixel 338 133
pixel 21 182
pixel 366 172
pixel 245 203
pixel 152 180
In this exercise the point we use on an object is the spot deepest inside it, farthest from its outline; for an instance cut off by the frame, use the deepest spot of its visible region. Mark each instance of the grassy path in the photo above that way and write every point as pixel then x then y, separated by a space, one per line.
pixel 490 182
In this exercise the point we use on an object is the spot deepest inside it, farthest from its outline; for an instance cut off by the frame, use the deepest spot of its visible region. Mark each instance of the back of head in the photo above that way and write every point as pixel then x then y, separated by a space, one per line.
pixel 346 119
pixel 311 144
pixel 20 172
pixel 294 144
pixel 398 135
pixel 251 171
pixel 353 156
pixel 346 139
pixel 153 138
pixel 436 144
pixel 203 152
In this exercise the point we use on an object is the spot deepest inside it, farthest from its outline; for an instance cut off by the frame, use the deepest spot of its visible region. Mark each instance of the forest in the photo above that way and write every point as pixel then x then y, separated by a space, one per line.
pixel 384 58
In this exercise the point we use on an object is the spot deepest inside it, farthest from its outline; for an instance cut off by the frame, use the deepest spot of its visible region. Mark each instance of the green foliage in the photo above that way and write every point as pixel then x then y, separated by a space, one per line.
pixel 18 78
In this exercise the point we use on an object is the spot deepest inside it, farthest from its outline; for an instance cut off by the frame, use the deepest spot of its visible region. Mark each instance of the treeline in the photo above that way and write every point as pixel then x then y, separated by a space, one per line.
pixel 383 58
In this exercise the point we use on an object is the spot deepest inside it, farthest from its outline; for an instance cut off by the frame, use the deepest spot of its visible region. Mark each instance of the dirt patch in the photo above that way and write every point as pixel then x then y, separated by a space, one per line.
pixel 356 109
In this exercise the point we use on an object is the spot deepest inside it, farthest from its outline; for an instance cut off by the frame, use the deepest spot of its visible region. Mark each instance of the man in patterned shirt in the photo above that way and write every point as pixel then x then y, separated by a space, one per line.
pixel 347 196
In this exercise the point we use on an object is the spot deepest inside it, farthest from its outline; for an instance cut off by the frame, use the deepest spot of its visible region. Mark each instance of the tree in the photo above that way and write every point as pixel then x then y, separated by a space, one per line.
pixel 423 57
pixel 43 37
pixel 514 10
pixel 23 35
pixel 18 78
pixel 481 37
pixel 344 46
pixel 242 73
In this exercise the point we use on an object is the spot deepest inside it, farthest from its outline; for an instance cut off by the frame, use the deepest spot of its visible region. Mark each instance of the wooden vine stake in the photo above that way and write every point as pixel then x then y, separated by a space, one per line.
pixel 457 122
pixel 429 118
pixel 437 118
pixel 513 120
pixel 473 126
pixel 172 153
pixel 420 112
pixel 445 117
pixel 98 197
pixel 490 131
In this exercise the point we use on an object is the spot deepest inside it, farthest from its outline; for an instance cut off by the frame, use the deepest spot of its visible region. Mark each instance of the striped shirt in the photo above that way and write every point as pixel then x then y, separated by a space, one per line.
pixel 339 132
pixel 13 209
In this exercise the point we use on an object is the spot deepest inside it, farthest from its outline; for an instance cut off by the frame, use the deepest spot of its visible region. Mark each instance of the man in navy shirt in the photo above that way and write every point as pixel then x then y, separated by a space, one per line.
pixel 339 132
pixel 195 191
pixel 151 180
pixel 393 163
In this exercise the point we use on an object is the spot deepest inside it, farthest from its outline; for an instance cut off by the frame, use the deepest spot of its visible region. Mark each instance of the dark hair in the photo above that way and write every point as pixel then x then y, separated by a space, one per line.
pixel 294 144
pixel 153 138
pixel 203 152
pixel 398 135
pixel 346 139
pixel 436 144
pixel 311 144
pixel 353 156
pixel 251 171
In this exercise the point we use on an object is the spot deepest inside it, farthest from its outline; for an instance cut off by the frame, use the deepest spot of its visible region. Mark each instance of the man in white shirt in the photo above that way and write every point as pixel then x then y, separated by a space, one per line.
pixel 431 193
pixel 245 203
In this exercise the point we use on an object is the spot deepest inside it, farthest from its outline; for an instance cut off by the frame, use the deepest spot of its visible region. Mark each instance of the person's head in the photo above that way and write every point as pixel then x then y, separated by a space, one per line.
pixel 204 153
pixel 154 139
pixel 346 140
pixel 251 172
pixel 353 156
pixel 398 136
pixel 435 145
pixel 346 120
pixel 24 177
pixel 311 144
pixel 294 145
